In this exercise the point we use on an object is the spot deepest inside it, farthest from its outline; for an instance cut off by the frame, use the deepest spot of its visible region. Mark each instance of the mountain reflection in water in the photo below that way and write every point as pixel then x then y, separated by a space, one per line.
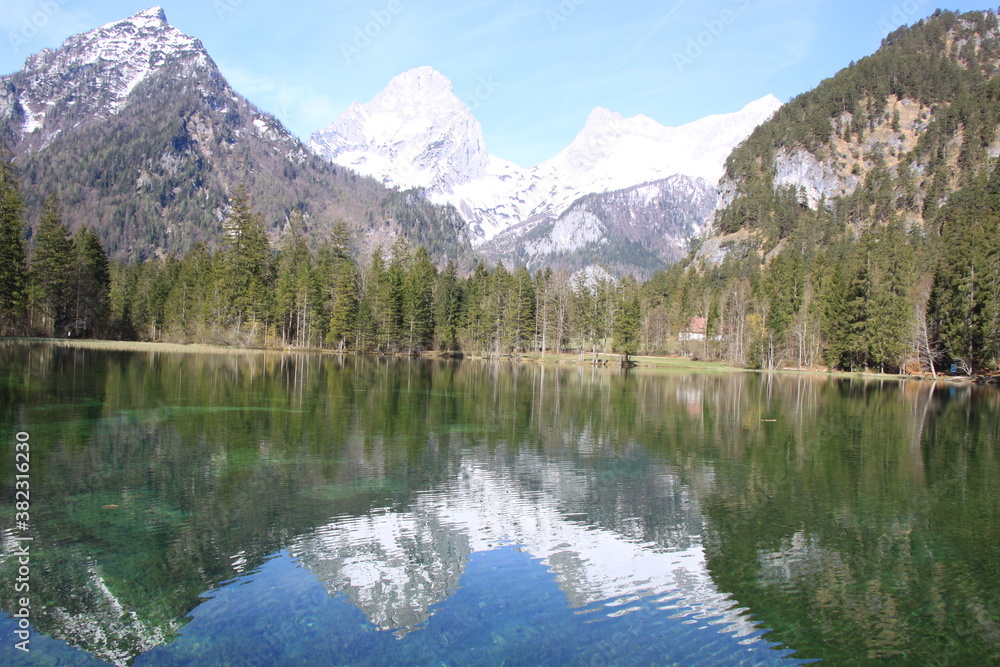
pixel 306 509
pixel 395 566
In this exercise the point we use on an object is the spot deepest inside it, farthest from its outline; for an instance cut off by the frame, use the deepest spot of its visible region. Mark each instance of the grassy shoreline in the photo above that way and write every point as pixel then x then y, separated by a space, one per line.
pixel 560 359
pixel 141 346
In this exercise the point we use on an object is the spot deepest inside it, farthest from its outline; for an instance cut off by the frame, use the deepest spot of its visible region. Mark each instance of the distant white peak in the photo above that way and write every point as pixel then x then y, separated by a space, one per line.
pixel 756 112
pixel 414 133
pixel 601 117
pixel 419 93
pixel 767 104
pixel 154 17
pixel 604 126
pixel 421 83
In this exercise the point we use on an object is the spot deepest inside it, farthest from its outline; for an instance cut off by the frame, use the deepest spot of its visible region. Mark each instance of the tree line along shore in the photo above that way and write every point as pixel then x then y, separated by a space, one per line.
pixel 872 302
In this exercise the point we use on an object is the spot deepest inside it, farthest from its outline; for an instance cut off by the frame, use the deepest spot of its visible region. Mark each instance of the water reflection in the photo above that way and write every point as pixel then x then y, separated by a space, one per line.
pixel 395 566
pixel 854 520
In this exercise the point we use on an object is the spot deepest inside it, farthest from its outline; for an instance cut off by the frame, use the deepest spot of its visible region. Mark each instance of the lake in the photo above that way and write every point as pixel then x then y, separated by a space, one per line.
pixel 304 509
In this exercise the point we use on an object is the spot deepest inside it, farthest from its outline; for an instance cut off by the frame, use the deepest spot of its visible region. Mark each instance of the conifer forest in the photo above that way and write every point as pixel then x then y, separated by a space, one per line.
pixel 888 300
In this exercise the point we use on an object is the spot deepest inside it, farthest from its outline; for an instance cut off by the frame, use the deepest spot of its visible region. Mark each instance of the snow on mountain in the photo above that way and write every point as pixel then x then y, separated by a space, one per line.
pixel 92 73
pixel 417 133
pixel 145 140
pixel 637 230
pixel 613 152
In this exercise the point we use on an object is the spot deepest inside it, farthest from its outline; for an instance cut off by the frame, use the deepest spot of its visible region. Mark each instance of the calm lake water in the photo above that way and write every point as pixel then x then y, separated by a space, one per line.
pixel 269 509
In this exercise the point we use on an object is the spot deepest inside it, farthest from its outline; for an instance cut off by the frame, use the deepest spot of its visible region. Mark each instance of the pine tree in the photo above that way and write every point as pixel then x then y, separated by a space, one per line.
pixel 154 280
pixel 344 311
pixel 497 311
pixel 51 265
pixel 782 287
pixel 448 306
pixel 522 310
pixel 296 298
pixel 418 302
pixel 372 309
pixel 836 319
pixel 544 309
pixel 188 311
pixel 248 279
pixel 343 290
pixel 966 275
pixel 91 280
pixel 13 271
pixel 628 322
pixel 123 281
pixel 477 326
pixel 583 316
pixel 393 295
pixel 889 324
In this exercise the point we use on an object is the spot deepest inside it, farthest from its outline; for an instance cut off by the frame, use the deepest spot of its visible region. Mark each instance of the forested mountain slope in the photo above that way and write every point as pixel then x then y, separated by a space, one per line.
pixel 859 225
pixel 133 125
pixel 895 133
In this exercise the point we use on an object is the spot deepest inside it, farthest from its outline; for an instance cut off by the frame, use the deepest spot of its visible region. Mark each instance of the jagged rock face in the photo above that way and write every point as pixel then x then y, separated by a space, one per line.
pixel 819 179
pixel 638 230
pixel 899 150
pixel 416 133
pixel 92 74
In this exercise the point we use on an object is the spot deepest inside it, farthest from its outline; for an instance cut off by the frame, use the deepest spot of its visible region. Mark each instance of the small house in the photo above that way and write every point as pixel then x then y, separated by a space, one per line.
pixel 695 330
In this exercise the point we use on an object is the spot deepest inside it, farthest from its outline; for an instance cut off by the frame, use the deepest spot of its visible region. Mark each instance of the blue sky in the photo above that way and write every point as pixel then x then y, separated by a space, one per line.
pixel 531 70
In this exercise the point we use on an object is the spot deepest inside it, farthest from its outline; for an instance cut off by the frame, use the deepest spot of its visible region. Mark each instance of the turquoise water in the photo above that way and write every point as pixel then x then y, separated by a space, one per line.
pixel 268 509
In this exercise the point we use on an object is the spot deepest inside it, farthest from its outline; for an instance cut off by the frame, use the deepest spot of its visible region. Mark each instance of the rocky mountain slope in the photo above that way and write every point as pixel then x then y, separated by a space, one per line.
pixel 133 125
pixel 892 136
pixel 637 230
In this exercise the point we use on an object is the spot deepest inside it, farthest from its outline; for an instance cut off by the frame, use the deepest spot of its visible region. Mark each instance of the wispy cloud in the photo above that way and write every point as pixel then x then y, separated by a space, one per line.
pixel 302 109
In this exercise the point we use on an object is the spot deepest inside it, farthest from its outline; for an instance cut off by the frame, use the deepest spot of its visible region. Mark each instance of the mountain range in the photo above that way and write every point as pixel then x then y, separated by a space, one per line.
pixel 416 133
pixel 136 129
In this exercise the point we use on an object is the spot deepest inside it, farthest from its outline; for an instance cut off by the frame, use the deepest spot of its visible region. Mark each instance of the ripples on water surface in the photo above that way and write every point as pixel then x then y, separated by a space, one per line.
pixel 300 509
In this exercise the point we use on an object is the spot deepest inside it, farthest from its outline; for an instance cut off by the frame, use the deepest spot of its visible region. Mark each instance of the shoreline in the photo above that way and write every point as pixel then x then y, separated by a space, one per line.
pixel 605 360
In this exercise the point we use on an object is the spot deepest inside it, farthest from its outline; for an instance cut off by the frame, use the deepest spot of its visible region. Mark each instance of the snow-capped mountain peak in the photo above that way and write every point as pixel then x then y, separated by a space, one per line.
pixel 92 73
pixel 614 152
pixel 154 17
pixel 420 86
pixel 139 43
pixel 765 106
pixel 415 133
pixel 600 119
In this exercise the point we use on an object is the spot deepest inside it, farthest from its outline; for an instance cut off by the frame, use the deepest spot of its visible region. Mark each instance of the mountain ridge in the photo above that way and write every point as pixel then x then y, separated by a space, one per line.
pixel 135 127
pixel 417 133
pixel 905 121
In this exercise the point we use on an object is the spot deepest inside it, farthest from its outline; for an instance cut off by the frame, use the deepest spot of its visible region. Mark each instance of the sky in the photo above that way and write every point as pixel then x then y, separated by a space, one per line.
pixel 531 71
